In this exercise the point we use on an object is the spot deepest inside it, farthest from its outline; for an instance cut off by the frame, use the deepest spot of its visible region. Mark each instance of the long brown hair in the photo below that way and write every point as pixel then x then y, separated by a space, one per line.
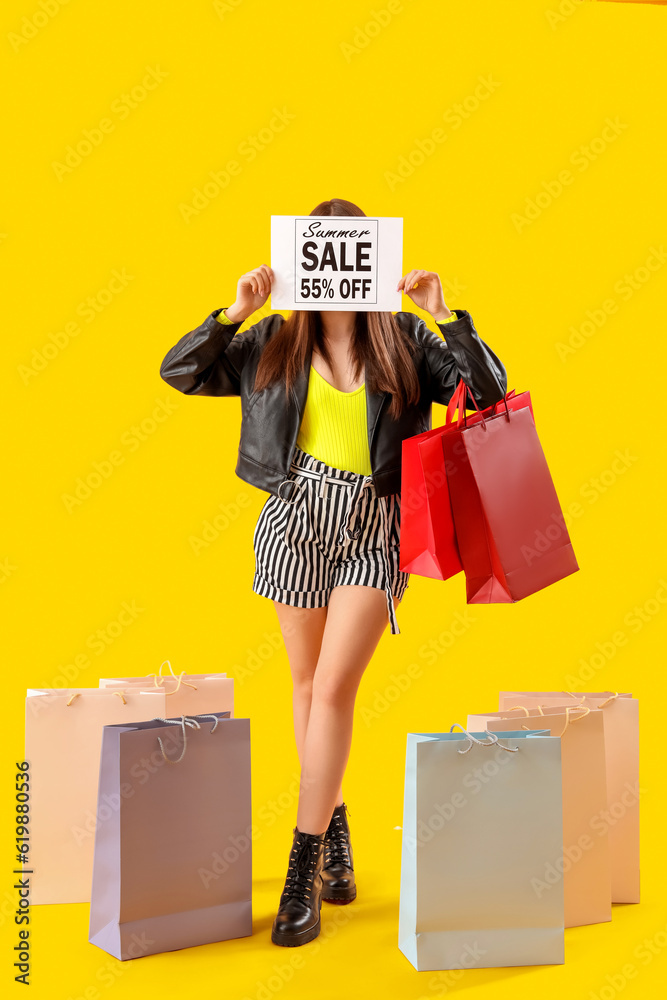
pixel 378 344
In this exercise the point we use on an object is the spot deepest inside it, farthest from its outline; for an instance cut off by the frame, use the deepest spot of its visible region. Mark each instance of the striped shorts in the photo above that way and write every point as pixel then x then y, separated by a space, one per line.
pixel 328 528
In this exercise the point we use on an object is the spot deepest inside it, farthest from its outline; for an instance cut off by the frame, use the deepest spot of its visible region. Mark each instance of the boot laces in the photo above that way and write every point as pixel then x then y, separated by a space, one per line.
pixel 301 870
pixel 336 845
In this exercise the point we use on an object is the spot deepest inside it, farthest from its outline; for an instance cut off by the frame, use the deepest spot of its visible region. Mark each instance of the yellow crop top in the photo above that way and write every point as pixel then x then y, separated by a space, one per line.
pixel 334 427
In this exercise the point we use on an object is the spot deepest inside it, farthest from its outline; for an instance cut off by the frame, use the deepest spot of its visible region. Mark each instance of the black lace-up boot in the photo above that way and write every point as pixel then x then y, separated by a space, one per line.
pixel 337 870
pixel 298 917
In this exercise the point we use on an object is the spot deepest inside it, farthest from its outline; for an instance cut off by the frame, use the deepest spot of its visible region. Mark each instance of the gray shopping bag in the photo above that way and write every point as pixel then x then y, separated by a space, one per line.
pixel 173 851
pixel 482 814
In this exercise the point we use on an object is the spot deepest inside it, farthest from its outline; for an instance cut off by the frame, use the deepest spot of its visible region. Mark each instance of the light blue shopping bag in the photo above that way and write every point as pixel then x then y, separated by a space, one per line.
pixel 482 814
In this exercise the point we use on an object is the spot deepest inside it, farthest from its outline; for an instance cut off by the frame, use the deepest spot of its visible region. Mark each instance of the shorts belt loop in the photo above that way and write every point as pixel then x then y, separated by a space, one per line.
pixel 349 525
pixel 323 488
pixel 295 491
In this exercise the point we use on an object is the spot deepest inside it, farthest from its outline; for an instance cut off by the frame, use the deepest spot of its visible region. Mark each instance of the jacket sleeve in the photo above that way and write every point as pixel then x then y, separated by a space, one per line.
pixel 208 360
pixel 462 355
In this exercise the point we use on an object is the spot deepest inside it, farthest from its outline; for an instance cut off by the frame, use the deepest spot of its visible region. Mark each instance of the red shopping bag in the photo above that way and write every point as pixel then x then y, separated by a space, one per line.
pixel 428 538
pixel 510 530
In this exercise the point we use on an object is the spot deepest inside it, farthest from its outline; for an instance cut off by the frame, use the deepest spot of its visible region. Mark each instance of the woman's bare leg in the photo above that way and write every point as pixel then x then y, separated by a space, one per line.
pixel 302 630
pixel 356 619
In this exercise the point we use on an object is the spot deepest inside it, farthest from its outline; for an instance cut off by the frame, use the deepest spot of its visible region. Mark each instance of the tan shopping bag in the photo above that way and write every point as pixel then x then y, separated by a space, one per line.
pixel 187 694
pixel 173 863
pixel 621 817
pixel 63 738
pixel 479 819
pixel 584 861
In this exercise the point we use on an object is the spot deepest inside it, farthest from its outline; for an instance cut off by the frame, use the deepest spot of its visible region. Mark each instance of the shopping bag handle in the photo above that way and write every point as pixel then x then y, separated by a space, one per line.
pixel 77 694
pixel 185 720
pixel 568 718
pixel 159 680
pixel 454 403
pixel 482 743
pixel 457 402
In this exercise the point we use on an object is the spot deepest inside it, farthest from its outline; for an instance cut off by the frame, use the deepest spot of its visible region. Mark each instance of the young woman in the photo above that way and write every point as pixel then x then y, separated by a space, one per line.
pixel 327 398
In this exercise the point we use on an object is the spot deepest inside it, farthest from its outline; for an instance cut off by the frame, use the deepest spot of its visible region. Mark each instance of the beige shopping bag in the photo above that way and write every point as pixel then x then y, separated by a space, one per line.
pixel 187 694
pixel 173 863
pixel 480 818
pixel 621 816
pixel 63 738
pixel 584 861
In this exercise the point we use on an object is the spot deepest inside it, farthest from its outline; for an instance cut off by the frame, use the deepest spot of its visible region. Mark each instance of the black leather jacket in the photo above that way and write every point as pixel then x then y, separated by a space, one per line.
pixel 212 361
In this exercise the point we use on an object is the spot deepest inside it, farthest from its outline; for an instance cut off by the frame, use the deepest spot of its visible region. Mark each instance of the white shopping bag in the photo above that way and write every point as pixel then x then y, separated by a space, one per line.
pixel 186 694
pixel 621 816
pixel 63 740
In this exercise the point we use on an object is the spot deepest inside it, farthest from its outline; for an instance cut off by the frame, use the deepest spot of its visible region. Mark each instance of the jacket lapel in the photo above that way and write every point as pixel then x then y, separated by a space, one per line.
pixel 374 403
pixel 300 386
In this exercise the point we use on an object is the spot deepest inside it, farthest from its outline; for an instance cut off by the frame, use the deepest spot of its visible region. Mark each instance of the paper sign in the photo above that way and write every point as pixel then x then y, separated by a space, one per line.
pixel 336 262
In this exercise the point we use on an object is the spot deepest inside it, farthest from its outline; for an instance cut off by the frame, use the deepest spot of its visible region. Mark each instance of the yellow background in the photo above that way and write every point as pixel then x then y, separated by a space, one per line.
pixel 560 70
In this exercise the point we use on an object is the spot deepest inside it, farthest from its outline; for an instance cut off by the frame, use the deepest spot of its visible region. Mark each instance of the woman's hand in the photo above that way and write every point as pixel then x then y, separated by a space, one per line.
pixel 425 290
pixel 252 291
